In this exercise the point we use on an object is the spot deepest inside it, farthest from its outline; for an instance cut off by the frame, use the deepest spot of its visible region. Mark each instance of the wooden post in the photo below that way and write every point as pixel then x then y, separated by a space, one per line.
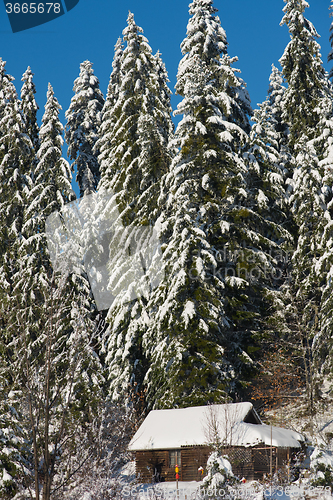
pixel 177 478
pixel 276 460
pixel 271 460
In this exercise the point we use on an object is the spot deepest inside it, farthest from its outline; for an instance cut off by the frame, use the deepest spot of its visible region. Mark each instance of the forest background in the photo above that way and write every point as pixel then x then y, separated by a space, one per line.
pixel 241 203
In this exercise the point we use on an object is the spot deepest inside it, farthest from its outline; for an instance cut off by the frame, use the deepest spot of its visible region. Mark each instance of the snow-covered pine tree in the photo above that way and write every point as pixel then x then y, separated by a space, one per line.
pixel 5 80
pixel 138 155
pixel 330 55
pixel 50 356
pixel 322 264
pixel 308 113
pixel 15 181
pixel 275 96
pixel 305 314
pixel 308 203
pixel 103 144
pixel 276 92
pixel 83 120
pixel 164 91
pixel 29 110
pixel 323 140
pixel 269 139
pixel 270 216
pixel 268 159
pixel 15 146
pixel 306 100
pixel 205 314
pixel 267 154
pixel 140 95
pixel 303 71
pixel 50 191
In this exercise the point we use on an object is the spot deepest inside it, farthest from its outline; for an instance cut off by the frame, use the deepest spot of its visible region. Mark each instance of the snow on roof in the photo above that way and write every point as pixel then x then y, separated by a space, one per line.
pixel 250 434
pixel 174 428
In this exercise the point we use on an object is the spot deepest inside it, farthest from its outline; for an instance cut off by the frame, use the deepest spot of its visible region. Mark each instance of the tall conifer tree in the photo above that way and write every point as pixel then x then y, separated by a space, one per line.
pixel 330 55
pixel 103 145
pixel 204 315
pixel 5 81
pixel 49 359
pixel 136 131
pixel 268 156
pixel 15 147
pixel 323 341
pixel 83 121
pixel 303 71
pixel 307 112
pixel 138 98
pixel 29 110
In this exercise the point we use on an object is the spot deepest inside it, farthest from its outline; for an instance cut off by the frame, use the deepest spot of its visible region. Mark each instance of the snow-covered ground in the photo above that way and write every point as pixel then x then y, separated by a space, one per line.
pixel 252 490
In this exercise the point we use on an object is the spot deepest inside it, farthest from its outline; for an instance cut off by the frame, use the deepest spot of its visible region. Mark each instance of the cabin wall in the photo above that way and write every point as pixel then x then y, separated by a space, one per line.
pixel 152 462
pixel 192 459
pixel 153 466
pixel 251 463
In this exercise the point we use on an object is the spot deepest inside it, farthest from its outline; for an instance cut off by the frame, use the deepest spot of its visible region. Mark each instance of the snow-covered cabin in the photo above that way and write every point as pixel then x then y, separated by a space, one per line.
pixel 184 436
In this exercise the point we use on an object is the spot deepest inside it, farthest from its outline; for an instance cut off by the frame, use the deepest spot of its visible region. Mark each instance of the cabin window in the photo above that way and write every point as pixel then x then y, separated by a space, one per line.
pixel 174 458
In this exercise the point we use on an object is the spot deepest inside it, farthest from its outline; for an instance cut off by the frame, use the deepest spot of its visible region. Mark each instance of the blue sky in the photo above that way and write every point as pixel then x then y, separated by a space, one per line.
pixel 90 30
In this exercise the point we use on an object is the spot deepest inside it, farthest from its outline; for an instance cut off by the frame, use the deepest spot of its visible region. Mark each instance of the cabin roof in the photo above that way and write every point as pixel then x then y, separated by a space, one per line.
pixel 238 424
